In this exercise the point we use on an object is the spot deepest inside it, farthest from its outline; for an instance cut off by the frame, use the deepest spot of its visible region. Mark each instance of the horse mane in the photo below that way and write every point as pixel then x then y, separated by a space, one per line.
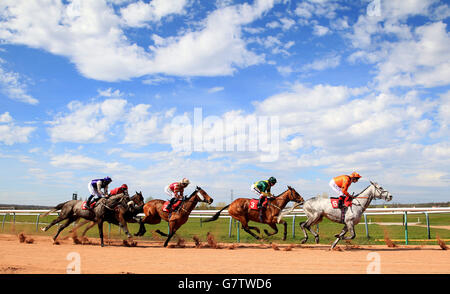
pixel 362 191
pixel 193 193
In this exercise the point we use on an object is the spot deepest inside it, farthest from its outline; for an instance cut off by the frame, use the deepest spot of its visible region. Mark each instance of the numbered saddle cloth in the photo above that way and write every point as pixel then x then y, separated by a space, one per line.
pixel 174 206
pixel 84 207
pixel 254 203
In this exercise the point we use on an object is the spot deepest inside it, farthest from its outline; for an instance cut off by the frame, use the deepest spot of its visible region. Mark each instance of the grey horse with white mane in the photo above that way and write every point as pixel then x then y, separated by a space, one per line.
pixel 318 207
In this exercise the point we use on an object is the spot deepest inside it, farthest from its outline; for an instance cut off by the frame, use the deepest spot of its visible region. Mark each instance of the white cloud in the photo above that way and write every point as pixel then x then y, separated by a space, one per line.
pixel 318 8
pixel 89 33
pixel 110 93
pixel 320 31
pixel 323 63
pixel 87 123
pixel 75 161
pixel 138 14
pixel 215 89
pixel 5 118
pixel 13 88
pixel 11 134
pixel 422 61
pixel 143 127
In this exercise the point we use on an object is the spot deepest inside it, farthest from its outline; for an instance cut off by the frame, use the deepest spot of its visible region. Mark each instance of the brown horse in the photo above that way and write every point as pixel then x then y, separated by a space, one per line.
pixel 153 211
pixel 120 216
pixel 240 210
pixel 103 211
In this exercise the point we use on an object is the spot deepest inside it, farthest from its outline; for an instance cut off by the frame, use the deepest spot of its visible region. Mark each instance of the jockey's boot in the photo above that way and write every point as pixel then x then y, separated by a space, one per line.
pixel 88 202
pixel 171 203
pixel 340 202
pixel 261 214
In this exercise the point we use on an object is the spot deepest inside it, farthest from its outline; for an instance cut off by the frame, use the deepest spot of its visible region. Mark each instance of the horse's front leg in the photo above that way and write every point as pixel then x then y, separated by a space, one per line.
pixel 351 229
pixel 87 228
pixel 100 231
pixel 340 236
pixel 274 227
pixel 172 230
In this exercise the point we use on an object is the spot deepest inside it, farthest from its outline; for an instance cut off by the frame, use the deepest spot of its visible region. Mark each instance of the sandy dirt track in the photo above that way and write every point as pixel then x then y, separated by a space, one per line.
pixel 149 257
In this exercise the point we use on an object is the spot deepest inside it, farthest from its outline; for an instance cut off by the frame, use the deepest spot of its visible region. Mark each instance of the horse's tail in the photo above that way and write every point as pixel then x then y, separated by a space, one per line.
pixel 56 208
pixel 216 216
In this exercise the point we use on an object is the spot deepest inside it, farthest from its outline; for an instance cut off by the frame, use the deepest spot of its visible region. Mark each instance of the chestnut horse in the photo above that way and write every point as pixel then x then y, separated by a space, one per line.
pixel 153 211
pixel 240 210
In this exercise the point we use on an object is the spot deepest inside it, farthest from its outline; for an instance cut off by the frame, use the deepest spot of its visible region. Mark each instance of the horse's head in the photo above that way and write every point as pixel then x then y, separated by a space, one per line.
pixel 138 199
pixel 202 196
pixel 294 196
pixel 380 193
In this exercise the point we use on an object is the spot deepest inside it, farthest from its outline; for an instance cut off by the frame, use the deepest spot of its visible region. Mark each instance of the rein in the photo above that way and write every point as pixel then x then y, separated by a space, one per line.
pixel 190 199
pixel 276 197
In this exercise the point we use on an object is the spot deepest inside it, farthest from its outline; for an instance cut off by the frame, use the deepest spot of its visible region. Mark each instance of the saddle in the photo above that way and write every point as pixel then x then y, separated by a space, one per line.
pixel 84 207
pixel 335 204
pixel 175 206
pixel 254 203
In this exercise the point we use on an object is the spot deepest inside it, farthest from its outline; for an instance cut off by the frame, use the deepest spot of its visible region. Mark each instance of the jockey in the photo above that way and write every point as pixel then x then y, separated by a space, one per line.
pixel 95 188
pixel 175 191
pixel 262 189
pixel 341 184
pixel 119 190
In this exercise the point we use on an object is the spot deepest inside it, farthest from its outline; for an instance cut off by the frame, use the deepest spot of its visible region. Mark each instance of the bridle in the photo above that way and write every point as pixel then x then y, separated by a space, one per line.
pixel 372 195
pixel 192 198
pixel 292 194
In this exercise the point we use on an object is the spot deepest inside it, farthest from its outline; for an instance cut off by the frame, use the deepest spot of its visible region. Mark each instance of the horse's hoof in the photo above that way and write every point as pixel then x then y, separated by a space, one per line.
pixel 303 241
pixel 43 230
pixel 317 240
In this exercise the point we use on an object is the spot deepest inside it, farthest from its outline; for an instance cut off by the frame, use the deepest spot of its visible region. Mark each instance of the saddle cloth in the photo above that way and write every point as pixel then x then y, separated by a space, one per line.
pixel 335 201
pixel 84 207
pixel 254 203
pixel 174 206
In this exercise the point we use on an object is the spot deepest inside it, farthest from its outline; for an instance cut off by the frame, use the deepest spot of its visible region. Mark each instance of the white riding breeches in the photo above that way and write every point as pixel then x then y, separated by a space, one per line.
pixel 336 188
pixel 169 192
pixel 93 191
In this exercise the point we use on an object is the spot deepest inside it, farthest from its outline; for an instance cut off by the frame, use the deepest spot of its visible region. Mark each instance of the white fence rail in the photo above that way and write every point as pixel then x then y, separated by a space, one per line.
pixel 294 214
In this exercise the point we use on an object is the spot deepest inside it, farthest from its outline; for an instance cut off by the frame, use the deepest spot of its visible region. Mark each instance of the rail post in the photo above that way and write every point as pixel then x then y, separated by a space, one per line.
pixel 428 225
pixel 3 223
pixel 367 226
pixel 406 227
pixel 293 227
pixel 238 235
pixel 37 223
pixel 229 227
pixel 109 231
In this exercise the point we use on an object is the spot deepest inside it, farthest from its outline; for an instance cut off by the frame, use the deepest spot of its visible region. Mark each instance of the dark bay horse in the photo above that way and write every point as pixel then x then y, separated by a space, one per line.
pixel 153 211
pixel 119 215
pixel 72 210
pixel 240 210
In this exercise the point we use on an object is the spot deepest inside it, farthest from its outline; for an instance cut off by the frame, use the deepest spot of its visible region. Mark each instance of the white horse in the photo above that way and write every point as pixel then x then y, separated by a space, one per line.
pixel 318 207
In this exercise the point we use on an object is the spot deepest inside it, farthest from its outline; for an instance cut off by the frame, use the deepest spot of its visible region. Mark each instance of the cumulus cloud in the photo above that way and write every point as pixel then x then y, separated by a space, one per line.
pixel 13 87
pixel 138 14
pixel 10 133
pixel 91 35
pixel 86 123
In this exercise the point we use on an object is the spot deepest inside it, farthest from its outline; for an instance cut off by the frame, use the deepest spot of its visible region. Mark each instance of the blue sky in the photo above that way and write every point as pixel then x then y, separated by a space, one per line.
pixel 92 88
